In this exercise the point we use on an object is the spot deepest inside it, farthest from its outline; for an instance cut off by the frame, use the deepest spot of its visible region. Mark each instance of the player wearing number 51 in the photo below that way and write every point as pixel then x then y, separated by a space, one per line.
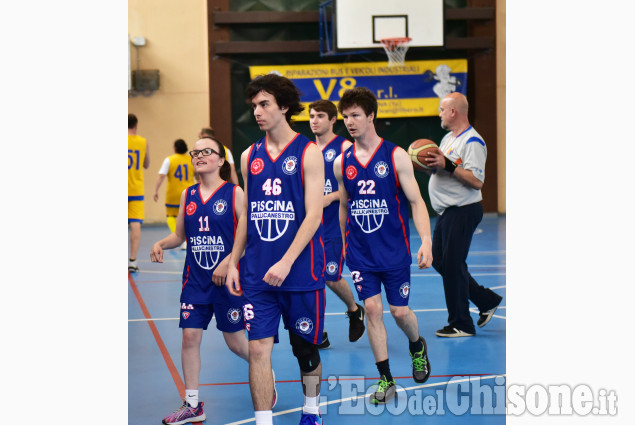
pixel 138 160
pixel 207 217
pixel 180 174
pixel 376 183
pixel 280 233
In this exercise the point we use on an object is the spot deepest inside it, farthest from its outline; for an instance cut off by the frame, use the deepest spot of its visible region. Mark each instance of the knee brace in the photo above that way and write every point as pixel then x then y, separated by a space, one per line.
pixel 307 354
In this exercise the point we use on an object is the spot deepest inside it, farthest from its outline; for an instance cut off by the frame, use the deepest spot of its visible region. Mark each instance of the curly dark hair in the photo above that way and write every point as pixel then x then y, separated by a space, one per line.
pixel 361 97
pixel 281 88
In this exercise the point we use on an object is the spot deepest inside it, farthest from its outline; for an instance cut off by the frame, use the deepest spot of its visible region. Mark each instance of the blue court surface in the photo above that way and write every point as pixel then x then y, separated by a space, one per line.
pixel 467 384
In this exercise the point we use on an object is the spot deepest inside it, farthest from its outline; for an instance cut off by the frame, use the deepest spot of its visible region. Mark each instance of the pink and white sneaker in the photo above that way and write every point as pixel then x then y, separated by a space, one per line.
pixel 185 414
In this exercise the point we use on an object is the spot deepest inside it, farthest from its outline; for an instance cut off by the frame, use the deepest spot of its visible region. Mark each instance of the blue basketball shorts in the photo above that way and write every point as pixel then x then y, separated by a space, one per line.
pixel 334 259
pixel 302 313
pixel 229 318
pixel 396 285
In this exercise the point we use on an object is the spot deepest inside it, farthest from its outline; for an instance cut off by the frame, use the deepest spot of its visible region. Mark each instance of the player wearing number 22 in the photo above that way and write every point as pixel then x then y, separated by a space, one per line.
pixel 280 232
pixel 376 181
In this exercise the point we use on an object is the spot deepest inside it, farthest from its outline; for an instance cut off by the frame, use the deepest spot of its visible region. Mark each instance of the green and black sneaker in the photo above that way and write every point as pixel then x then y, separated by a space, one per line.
pixel 384 392
pixel 420 363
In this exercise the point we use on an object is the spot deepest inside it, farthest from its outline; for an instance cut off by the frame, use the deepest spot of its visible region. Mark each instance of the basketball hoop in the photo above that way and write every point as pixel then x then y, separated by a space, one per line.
pixel 396 49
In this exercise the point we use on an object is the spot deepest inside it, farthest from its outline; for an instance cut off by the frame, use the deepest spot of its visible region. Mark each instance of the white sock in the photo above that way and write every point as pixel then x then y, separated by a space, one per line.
pixel 264 417
pixel 191 396
pixel 311 405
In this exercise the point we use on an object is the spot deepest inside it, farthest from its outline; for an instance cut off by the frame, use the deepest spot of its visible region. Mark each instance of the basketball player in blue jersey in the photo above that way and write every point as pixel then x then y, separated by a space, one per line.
pixel 376 183
pixel 322 117
pixel 280 234
pixel 207 219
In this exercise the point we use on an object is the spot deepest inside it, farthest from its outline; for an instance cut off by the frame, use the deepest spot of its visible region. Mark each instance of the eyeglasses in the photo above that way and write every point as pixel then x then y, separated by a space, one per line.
pixel 205 152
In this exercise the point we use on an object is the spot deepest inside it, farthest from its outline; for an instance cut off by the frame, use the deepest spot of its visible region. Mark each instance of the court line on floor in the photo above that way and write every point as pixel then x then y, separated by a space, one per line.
pixel 180 386
pixel 436 384
pixel 422 310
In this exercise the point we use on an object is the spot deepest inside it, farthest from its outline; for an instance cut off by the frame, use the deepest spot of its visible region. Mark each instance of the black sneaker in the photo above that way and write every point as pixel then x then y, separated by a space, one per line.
pixel 484 318
pixel 356 326
pixel 325 341
pixel 451 332
pixel 385 391
pixel 420 364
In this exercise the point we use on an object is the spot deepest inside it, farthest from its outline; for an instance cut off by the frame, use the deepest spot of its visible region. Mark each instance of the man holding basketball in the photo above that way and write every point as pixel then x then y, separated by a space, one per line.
pixel 455 194
pixel 280 233
pixel 376 183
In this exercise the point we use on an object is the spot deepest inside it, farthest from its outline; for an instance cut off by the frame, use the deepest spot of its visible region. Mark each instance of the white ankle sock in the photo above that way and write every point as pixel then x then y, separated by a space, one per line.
pixel 191 396
pixel 311 405
pixel 264 417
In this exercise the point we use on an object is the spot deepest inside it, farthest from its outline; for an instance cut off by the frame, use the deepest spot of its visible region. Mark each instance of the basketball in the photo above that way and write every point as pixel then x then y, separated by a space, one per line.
pixel 418 150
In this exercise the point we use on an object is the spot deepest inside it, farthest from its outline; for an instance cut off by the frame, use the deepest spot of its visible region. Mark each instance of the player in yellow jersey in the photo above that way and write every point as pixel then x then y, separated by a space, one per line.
pixel 208 131
pixel 138 160
pixel 180 174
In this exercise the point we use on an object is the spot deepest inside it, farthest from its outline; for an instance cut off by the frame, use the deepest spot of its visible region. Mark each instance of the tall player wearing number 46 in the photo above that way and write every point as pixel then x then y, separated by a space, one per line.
pixel 207 218
pixel 376 183
pixel 280 233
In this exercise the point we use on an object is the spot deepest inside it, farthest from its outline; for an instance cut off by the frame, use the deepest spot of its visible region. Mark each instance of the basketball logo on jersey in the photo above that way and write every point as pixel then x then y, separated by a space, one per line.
pixel 351 172
pixel 191 208
pixel 233 315
pixel 304 325
pixel 272 218
pixel 369 213
pixel 381 169
pixel 290 165
pixel 185 315
pixel 329 156
pixel 359 288
pixel 193 192
pixel 404 289
pixel 257 166
pixel 331 268
pixel 220 207
pixel 206 250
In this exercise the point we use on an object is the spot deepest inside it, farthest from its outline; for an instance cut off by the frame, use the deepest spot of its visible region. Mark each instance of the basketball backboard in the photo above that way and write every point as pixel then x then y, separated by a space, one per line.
pixel 359 25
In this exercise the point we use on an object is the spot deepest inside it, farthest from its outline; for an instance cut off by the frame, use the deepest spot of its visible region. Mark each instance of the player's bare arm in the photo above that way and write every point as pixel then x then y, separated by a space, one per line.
pixel 343 213
pixel 220 272
pixel 240 239
pixel 173 239
pixel 408 183
pixel 313 166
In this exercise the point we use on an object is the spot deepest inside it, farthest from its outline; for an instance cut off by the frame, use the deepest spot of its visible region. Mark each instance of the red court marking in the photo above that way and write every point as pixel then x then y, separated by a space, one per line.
pixel 180 386
pixel 355 379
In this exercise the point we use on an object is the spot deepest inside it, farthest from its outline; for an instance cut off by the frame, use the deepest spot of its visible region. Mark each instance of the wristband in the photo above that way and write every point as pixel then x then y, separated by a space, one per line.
pixel 449 165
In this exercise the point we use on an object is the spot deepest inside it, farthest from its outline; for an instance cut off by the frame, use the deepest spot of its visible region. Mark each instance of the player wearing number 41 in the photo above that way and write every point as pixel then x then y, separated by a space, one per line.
pixel 180 174
pixel 207 219
pixel 280 233
pixel 455 194
pixel 376 183
pixel 322 117
pixel 138 160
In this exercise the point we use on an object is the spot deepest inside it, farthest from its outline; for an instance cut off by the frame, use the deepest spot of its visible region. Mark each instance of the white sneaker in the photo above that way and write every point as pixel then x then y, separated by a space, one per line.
pixel 132 266
pixel 184 246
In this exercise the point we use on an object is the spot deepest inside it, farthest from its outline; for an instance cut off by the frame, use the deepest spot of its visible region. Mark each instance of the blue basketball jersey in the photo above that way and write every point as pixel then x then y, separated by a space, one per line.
pixel 210 226
pixel 275 212
pixel 330 216
pixel 377 228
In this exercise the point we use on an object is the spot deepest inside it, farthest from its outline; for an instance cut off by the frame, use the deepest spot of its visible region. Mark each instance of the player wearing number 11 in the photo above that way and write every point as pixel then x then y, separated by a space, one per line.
pixel 376 183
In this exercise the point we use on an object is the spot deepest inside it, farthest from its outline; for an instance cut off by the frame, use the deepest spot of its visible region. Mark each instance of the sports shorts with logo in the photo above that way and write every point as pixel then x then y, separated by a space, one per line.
pixel 334 259
pixel 396 284
pixel 229 317
pixel 302 313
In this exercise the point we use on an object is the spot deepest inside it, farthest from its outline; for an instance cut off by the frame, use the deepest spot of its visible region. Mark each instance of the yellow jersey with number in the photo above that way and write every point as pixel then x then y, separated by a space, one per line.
pixel 180 177
pixel 136 155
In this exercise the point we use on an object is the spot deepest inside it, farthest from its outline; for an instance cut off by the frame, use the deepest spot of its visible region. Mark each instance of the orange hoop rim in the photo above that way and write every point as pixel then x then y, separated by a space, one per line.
pixel 393 42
